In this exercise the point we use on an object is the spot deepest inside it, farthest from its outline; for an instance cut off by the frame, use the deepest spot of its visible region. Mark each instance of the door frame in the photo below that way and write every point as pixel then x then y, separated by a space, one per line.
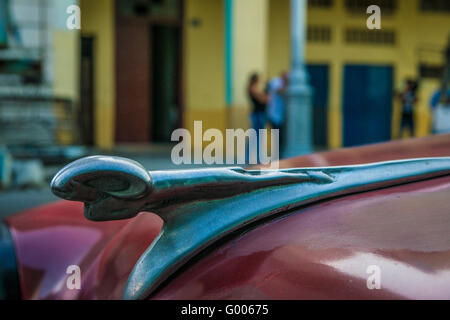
pixel 86 121
pixel 147 23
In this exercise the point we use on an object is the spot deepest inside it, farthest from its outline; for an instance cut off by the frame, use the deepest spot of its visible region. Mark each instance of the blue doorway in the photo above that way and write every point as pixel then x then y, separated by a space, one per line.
pixel 367 104
pixel 319 80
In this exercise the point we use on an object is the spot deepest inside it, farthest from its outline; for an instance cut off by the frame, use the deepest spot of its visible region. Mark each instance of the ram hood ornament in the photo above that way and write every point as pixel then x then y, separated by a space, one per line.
pixel 200 206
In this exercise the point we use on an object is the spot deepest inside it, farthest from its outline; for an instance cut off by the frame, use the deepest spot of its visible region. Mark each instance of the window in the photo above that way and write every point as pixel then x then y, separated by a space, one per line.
pixel 320 3
pixel 364 36
pixel 149 9
pixel 360 6
pixel 431 71
pixel 435 5
pixel 319 34
pixel 22 59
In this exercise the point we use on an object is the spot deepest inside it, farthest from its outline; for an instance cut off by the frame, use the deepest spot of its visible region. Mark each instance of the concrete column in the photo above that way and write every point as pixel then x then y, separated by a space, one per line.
pixel 298 133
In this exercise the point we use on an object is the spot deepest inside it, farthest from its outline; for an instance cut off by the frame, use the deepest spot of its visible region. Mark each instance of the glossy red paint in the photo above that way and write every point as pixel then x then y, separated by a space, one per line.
pixel 431 146
pixel 324 251
pixel 51 238
pixel 321 251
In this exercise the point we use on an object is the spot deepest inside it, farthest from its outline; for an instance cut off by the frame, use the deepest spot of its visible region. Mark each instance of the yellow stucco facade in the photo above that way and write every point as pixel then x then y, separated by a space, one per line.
pixel 65 48
pixel 414 30
pixel 203 58
pixel 97 20
pixel 250 53
pixel 261 42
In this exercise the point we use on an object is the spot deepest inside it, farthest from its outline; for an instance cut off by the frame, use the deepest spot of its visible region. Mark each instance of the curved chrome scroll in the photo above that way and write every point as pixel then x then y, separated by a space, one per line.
pixel 202 205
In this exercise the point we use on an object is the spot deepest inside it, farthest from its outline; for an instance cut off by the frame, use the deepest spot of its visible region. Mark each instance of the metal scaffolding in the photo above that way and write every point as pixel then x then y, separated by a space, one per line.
pixel 29 112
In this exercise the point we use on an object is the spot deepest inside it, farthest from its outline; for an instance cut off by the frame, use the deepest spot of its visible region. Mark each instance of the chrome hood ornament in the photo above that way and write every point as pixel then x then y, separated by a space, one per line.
pixel 200 206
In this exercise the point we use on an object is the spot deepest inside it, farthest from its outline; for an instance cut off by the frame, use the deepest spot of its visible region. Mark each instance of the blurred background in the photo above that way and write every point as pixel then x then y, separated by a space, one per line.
pixel 138 69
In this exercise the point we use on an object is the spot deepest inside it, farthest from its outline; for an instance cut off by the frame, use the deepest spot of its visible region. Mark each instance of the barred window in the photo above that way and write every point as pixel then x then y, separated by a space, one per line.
pixel 431 71
pixel 319 34
pixel 435 5
pixel 360 6
pixel 320 3
pixel 364 36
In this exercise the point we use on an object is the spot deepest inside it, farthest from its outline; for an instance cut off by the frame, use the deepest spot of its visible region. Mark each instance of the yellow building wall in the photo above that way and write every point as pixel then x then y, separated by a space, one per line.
pixel 278 56
pixel 203 55
pixel 250 46
pixel 97 19
pixel 65 48
pixel 414 31
pixel 203 52
pixel 261 42
pixel 204 59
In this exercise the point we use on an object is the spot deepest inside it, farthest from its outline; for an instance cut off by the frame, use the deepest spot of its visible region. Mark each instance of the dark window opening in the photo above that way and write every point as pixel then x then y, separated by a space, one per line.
pixel 86 113
pixel 319 34
pixel 431 71
pixel 141 9
pixel 320 3
pixel 435 5
pixel 360 6
pixel 363 36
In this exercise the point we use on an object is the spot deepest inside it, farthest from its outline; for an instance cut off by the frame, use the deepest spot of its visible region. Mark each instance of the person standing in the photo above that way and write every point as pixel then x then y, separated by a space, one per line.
pixel 408 98
pixel 258 99
pixel 277 105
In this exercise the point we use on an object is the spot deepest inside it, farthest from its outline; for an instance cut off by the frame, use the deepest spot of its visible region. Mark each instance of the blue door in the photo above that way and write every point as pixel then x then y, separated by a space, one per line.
pixel 318 78
pixel 367 105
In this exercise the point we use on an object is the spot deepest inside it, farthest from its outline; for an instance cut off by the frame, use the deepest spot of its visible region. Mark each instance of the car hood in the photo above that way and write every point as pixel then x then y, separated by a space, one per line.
pixel 51 238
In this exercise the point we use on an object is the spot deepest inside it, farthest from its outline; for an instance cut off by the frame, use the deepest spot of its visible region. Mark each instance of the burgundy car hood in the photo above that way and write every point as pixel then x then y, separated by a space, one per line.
pixel 53 237
pixel 320 251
